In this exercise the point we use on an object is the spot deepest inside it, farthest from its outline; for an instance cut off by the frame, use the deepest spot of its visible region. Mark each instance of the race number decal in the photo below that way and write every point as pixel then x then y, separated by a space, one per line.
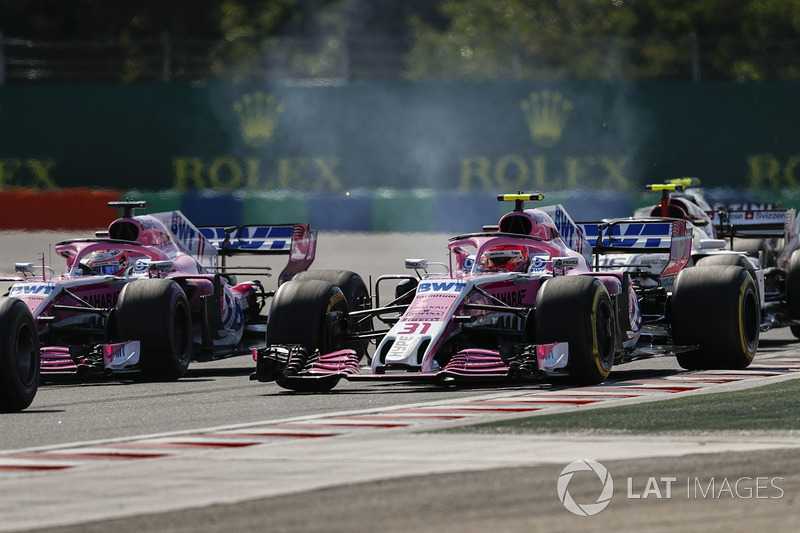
pixel 413 328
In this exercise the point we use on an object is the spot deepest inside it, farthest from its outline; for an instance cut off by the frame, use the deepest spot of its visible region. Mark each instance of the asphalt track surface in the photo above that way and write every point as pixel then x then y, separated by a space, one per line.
pixel 375 473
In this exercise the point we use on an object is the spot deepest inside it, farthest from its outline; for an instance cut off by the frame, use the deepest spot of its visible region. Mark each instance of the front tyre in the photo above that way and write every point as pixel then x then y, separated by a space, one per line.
pixel 156 312
pixel 308 313
pixel 20 357
pixel 716 308
pixel 357 296
pixel 577 309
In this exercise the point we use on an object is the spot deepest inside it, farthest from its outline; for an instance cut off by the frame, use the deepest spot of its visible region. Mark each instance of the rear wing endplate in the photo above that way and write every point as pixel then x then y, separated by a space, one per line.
pixel 295 240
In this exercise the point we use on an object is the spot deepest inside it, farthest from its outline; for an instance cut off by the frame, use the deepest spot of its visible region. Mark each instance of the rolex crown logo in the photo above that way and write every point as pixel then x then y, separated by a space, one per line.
pixel 546 114
pixel 258 116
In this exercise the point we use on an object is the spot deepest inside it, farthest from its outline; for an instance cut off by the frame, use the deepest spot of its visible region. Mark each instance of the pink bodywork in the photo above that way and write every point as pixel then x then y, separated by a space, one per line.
pixel 439 299
pixel 145 238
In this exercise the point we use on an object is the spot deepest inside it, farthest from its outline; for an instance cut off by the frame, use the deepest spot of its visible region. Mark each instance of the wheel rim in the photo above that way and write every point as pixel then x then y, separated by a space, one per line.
pixel 333 337
pixel 26 354
pixel 750 322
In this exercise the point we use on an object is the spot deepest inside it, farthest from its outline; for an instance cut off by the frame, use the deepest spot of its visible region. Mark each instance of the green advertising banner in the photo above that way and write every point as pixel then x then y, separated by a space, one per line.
pixel 449 136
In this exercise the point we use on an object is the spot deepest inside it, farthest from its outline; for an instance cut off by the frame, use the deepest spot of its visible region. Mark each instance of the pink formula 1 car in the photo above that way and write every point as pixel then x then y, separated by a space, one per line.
pixel 148 295
pixel 520 300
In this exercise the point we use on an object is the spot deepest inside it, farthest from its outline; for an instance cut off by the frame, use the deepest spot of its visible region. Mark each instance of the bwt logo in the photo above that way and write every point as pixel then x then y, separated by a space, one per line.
pixel 586 509
pixel 441 286
pixel 182 230
pixel 31 289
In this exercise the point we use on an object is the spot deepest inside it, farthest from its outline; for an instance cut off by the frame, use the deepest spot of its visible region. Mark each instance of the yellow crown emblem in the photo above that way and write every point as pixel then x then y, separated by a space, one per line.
pixel 258 116
pixel 546 114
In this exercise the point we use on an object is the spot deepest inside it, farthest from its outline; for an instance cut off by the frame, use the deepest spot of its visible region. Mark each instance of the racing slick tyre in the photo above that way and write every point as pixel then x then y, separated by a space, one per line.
pixel 734 260
pixel 156 313
pixel 756 248
pixel 793 290
pixel 308 313
pixel 578 309
pixel 299 313
pixel 357 296
pixel 715 308
pixel 19 356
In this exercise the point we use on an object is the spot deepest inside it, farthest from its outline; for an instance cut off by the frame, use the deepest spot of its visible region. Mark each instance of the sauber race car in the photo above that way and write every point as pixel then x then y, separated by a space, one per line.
pixel 681 199
pixel 522 300
pixel 148 295
pixel 772 237
pixel 676 203
pixel 729 235
pixel 757 229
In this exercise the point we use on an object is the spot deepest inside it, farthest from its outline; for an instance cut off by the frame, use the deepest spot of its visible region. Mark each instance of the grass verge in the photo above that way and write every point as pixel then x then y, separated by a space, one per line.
pixel 771 408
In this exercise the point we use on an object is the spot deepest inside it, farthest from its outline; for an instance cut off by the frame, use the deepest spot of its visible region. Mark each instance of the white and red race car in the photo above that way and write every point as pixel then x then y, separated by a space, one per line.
pixel 771 236
pixel 762 239
pixel 148 295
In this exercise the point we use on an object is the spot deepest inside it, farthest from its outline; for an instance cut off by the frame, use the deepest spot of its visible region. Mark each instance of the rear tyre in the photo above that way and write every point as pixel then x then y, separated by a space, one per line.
pixel 357 296
pixel 156 313
pixel 20 357
pixel 793 290
pixel 577 309
pixel 716 308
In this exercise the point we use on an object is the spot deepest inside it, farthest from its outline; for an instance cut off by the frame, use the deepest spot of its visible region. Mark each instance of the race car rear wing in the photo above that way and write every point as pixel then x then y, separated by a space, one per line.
pixel 295 240
pixel 627 235
pixel 755 223
pixel 760 224
pixel 651 235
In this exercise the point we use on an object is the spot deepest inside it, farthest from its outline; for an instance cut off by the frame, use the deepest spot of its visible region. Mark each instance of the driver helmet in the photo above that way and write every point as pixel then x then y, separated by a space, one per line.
pixel 105 262
pixel 505 257
pixel 468 263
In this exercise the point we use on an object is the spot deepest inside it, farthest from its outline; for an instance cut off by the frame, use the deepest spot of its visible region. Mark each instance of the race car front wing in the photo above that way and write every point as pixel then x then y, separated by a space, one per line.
pixel 79 359
pixel 292 367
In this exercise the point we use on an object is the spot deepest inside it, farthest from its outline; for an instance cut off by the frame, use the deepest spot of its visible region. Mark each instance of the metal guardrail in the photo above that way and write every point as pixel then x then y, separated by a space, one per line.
pixel 167 59
pixel 343 58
